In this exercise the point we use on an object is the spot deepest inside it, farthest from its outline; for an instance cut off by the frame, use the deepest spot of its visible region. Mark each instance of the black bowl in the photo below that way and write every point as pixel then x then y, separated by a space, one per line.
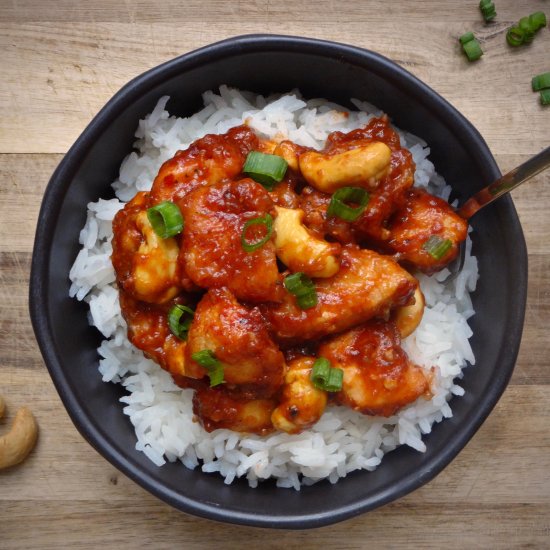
pixel 263 64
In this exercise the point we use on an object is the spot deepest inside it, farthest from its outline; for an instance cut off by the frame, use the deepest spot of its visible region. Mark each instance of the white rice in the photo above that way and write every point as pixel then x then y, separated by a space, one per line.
pixel 161 412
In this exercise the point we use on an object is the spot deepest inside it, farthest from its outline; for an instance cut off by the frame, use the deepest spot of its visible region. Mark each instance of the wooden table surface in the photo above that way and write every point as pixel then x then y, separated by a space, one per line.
pixel 61 61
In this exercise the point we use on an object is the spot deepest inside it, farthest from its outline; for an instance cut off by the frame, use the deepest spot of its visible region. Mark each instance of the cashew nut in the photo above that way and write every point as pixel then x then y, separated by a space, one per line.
pixel 299 250
pixel 302 404
pixel 407 318
pixel 363 166
pixel 20 440
pixel 288 151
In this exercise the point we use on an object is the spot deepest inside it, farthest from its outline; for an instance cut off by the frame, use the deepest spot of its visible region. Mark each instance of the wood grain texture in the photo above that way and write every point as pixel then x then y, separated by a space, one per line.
pixel 61 61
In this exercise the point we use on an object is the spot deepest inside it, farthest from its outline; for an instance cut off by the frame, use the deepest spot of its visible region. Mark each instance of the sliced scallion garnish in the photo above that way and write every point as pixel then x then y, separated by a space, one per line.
pixel 339 208
pixel 466 37
pixel 437 247
pixel 180 318
pixel 207 359
pixel 251 245
pixel 473 50
pixel 301 286
pixel 488 9
pixel 514 36
pixel 540 82
pixel 165 219
pixel 545 96
pixel 325 377
pixel 537 20
pixel 267 170
pixel 526 28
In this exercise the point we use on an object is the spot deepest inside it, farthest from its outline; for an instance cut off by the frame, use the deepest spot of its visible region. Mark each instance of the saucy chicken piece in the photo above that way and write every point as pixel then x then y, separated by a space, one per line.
pixel 212 251
pixel 315 205
pixel 208 160
pixel 367 285
pixel 387 197
pixel 301 403
pixel 379 378
pixel 386 190
pixel 237 335
pixel 215 409
pixel 284 195
pixel 424 216
pixel 148 330
pixel 146 266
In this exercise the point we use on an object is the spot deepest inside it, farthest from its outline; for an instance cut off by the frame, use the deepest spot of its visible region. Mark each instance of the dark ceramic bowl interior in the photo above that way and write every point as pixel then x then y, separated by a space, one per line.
pixel 265 64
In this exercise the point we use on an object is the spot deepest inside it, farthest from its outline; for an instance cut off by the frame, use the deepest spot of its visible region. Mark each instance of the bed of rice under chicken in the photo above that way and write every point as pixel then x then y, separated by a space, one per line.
pixel 343 440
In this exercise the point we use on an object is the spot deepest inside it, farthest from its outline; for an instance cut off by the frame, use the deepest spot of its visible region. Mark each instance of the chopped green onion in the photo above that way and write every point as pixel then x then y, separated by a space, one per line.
pixel 325 377
pixel 437 247
pixel 528 31
pixel 537 20
pixel 545 96
pixel 180 318
pixel 471 46
pixel 265 169
pixel 338 208
pixel 301 286
pixel 267 222
pixel 165 219
pixel 540 82
pixel 487 10
pixel 526 28
pixel 466 37
pixel 514 36
pixel 206 358
pixel 473 50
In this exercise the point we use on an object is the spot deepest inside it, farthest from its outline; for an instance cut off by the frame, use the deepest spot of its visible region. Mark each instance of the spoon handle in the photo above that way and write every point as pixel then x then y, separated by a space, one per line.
pixel 506 183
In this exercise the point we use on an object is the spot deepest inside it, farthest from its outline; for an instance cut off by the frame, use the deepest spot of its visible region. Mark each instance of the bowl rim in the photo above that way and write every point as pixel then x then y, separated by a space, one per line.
pixel 63 175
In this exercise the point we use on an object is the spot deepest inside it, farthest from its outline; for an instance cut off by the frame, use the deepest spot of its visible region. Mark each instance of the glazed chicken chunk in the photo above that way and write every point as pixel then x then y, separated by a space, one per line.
pixel 148 330
pixel 238 336
pixel 208 160
pixel 367 285
pixel 145 265
pixel 422 217
pixel 216 410
pixel 212 253
pixel 379 378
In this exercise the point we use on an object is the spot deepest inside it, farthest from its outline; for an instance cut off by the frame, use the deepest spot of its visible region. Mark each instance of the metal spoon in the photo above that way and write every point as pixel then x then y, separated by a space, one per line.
pixel 488 194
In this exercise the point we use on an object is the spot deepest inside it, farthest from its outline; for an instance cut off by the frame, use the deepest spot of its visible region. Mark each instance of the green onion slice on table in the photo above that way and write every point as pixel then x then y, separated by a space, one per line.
pixel 525 30
pixel 338 207
pixel 165 219
pixel 488 9
pixel 466 37
pixel 268 170
pixel 207 359
pixel 303 288
pixel 545 96
pixel 537 20
pixel 472 49
pixel 251 244
pixel 514 36
pixel 540 82
pixel 325 377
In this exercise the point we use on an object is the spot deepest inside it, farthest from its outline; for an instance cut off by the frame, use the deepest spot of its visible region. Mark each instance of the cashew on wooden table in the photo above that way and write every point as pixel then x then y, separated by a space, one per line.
pixel 20 440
